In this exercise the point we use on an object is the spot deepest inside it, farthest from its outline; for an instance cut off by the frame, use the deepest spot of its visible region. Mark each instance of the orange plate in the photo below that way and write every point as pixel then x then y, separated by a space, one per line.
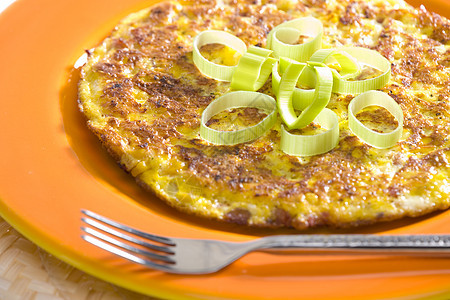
pixel 52 167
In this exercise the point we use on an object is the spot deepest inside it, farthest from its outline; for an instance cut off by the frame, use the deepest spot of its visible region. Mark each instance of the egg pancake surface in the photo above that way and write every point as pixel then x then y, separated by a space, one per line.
pixel 143 97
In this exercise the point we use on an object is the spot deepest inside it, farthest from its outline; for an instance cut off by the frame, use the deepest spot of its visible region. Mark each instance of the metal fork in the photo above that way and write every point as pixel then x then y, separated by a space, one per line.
pixel 191 256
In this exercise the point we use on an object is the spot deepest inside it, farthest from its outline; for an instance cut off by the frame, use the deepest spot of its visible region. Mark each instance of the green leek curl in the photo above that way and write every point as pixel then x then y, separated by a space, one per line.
pixel 379 140
pixel 253 69
pixel 308 145
pixel 208 68
pixel 283 38
pixel 234 100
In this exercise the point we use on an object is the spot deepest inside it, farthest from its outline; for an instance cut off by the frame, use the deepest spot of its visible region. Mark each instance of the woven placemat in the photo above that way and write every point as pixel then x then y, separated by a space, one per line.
pixel 28 272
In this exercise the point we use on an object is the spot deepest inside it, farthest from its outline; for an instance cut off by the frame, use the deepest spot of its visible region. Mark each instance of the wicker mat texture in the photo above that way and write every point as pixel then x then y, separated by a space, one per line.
pixel 28 272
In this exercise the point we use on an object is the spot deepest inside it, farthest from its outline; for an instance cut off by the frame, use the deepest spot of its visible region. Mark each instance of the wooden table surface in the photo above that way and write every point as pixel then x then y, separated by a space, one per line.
pixel 28 272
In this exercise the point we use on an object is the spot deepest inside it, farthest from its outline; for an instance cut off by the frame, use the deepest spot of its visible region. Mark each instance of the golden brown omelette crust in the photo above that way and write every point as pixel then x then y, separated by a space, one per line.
pixel 143 98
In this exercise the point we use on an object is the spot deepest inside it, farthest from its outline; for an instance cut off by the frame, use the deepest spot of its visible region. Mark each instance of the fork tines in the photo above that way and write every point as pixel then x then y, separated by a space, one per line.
pixel 140 247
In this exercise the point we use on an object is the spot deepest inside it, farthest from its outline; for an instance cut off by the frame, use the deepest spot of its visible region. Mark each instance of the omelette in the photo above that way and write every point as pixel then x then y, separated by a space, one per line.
pixel 143 97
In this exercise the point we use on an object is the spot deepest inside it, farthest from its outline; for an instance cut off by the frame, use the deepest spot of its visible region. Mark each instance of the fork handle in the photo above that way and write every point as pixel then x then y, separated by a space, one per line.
pixel 361 242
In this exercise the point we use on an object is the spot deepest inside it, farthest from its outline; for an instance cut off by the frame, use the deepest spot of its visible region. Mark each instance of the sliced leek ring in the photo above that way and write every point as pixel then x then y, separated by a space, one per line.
pixel 301 98
pixel 209 68
pixel 368 57
pixel 308 145
pixel 322 94
pixel 350 59
pixel 281 39
pixel 348 64
pixel 379 140
pixel 253 69
pixel 234 100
